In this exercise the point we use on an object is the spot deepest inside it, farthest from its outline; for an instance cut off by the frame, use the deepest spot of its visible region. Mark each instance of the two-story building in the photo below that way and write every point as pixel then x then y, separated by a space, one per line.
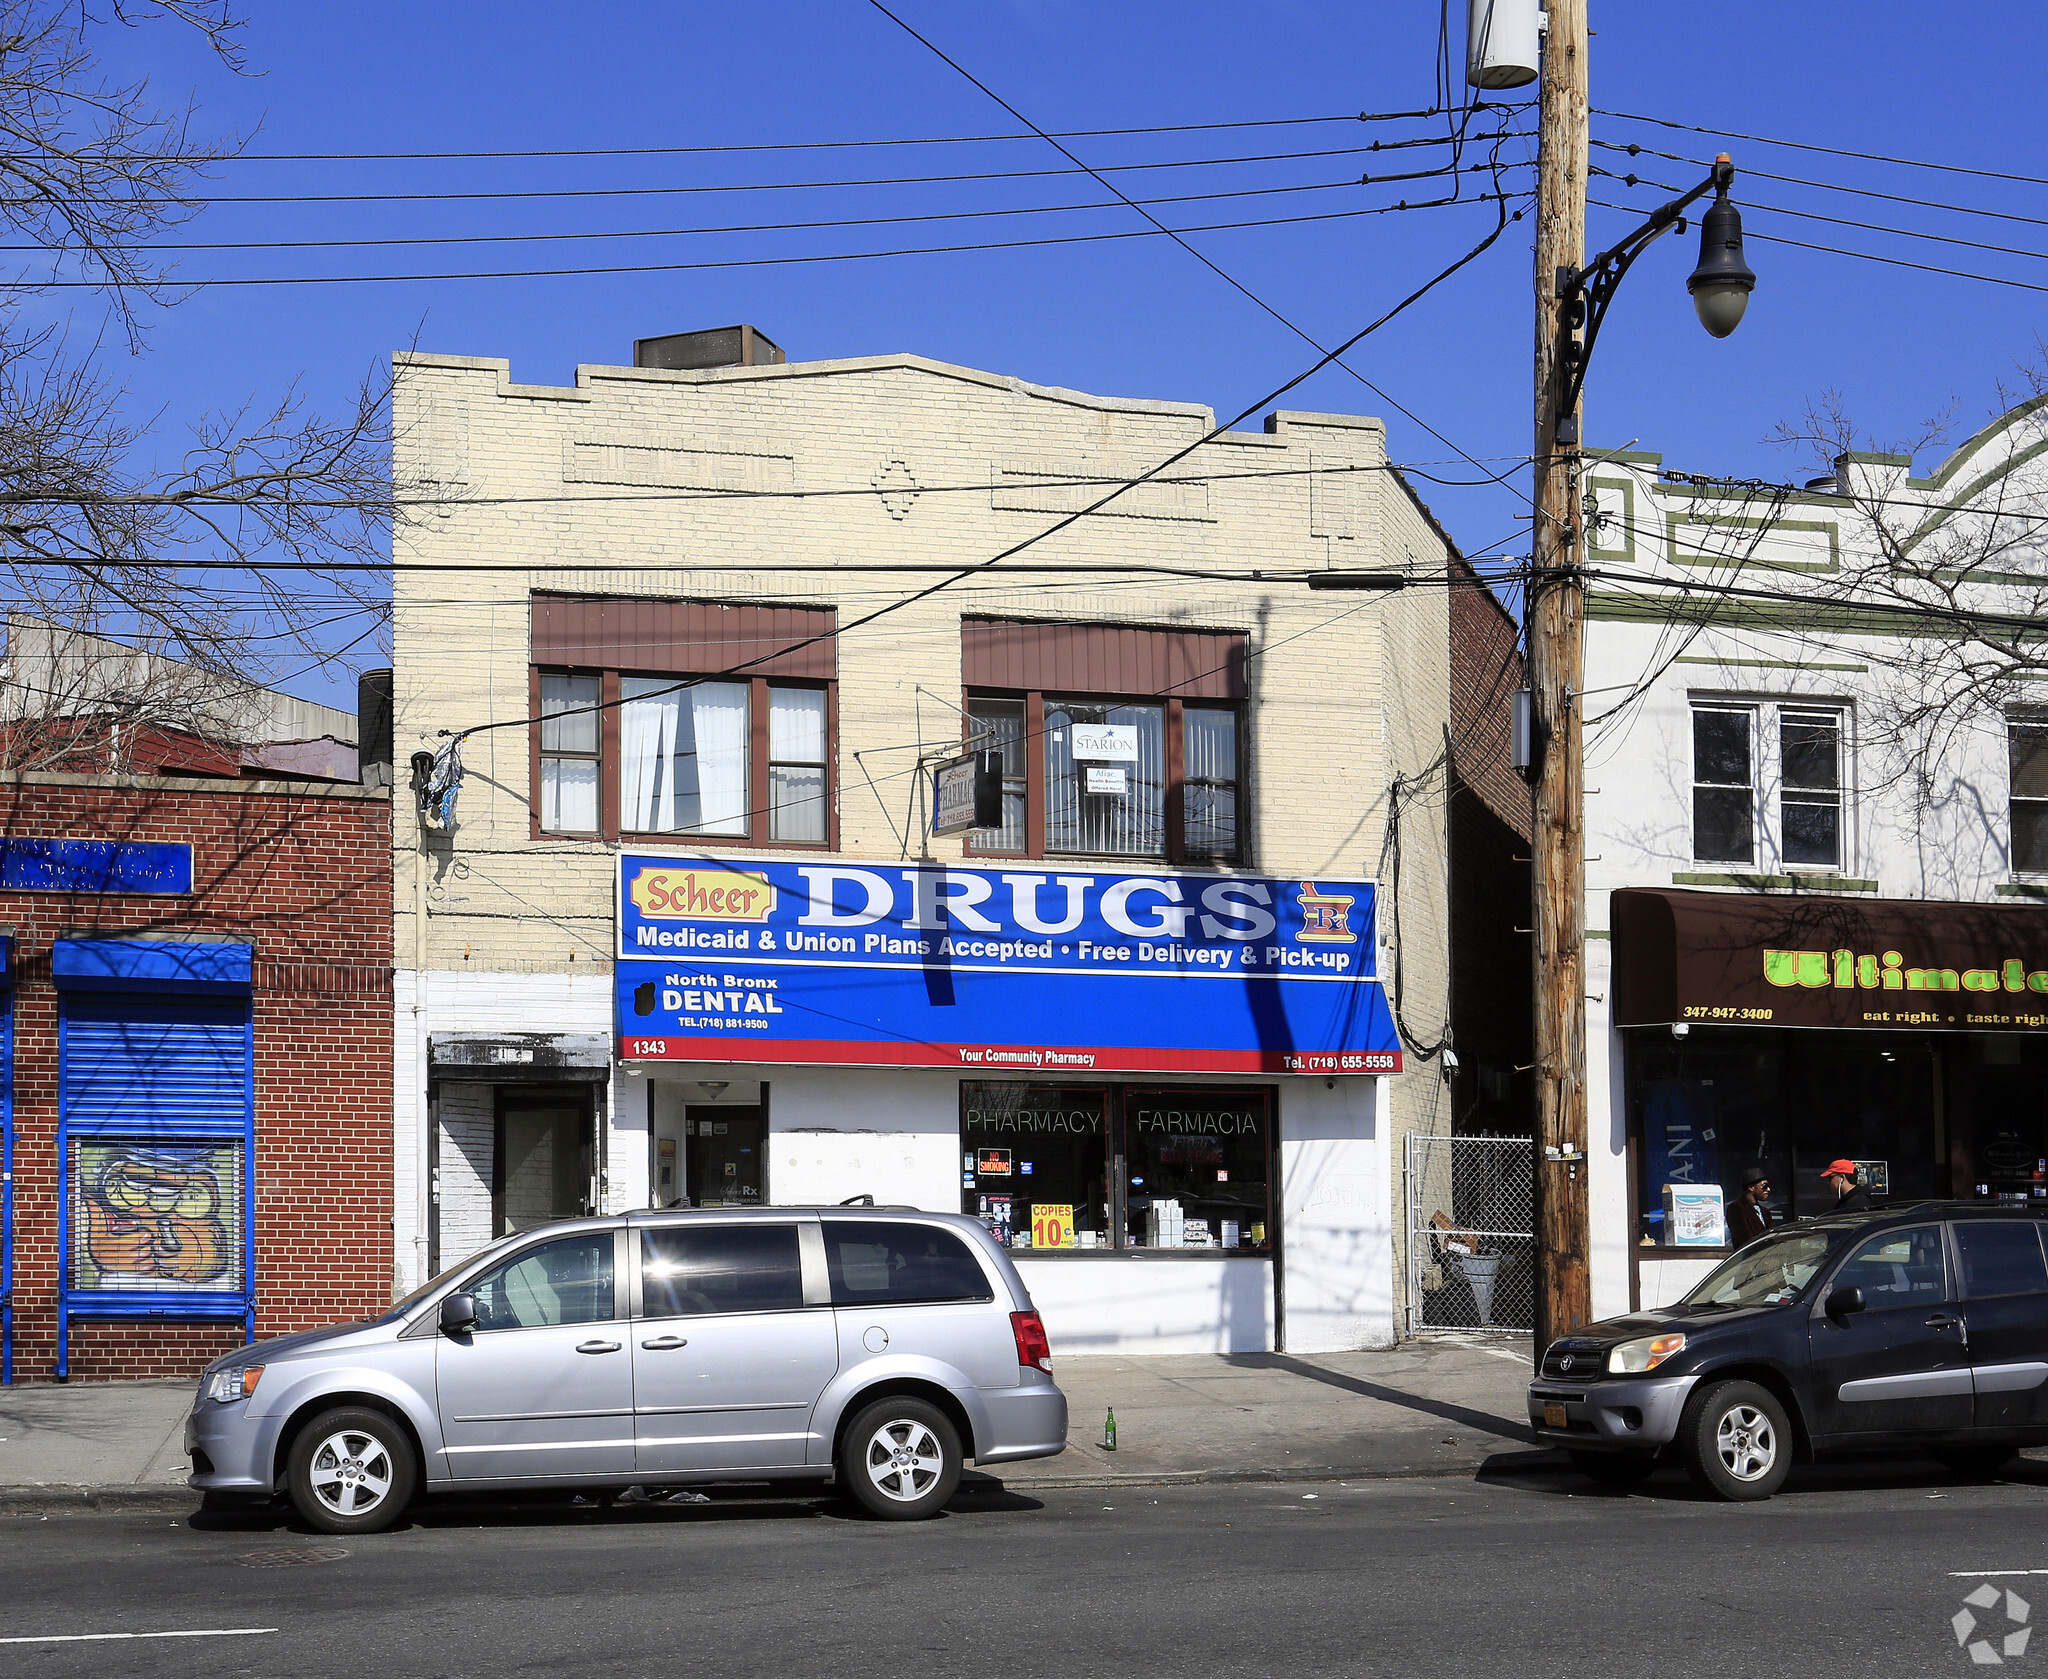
pixel 862 793
pixel 1817 876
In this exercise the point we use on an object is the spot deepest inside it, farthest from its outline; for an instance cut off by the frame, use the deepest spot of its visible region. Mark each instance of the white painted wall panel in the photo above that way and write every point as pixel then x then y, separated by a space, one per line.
pixel 1152 1305
pixel 1336 1229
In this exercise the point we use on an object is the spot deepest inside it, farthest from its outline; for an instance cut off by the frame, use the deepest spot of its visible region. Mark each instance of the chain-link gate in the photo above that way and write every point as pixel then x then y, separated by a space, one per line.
pixel 1471 1240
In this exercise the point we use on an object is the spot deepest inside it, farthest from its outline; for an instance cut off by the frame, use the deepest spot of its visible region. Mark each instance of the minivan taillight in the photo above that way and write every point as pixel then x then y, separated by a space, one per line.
pixel 1034 1351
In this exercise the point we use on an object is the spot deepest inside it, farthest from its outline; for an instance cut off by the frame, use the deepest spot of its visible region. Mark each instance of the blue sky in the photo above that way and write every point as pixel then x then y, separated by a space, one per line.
pixel 1135 317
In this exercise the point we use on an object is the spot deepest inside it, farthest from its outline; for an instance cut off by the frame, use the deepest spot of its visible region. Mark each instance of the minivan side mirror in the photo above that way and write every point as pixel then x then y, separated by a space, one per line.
pixel 458 1314
pixel 1844 1302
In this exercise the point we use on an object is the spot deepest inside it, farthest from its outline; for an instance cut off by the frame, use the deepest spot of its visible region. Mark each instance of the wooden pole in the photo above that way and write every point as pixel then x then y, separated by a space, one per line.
pixel 1556 624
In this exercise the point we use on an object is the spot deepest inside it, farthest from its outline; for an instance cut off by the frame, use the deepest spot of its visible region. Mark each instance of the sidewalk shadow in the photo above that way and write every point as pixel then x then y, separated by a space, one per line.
pixel 1442 1409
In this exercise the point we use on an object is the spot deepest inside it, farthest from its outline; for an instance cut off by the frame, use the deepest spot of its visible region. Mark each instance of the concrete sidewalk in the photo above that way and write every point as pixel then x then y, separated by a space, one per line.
pixel 1427 1407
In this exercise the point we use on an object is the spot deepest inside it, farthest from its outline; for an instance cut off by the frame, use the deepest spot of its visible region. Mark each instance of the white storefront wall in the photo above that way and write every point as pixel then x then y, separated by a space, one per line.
pixel 839 1132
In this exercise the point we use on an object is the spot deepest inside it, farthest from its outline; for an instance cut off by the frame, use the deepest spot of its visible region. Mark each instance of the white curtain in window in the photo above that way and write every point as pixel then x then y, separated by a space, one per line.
pixel 682 757
pixel 568 795
pixel 796 764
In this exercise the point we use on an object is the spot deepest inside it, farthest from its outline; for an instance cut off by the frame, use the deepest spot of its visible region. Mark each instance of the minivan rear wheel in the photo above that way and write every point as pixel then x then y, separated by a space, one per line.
pixel 351 1470
pixel 1736 1441
pixel 900 1459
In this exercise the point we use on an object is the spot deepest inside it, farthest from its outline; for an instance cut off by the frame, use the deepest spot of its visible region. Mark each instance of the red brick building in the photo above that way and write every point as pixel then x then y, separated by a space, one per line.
pixel 199 1067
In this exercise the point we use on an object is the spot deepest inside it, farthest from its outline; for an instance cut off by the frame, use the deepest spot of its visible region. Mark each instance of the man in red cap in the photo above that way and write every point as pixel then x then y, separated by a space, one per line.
pixel 1850 1196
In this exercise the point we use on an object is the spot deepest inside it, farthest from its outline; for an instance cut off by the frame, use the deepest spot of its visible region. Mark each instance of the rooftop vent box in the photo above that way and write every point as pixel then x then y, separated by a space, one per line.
pixel 718 346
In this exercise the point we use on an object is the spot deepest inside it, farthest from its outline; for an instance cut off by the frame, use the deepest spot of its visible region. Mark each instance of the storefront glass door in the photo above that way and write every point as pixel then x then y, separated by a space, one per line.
pixel 726 1156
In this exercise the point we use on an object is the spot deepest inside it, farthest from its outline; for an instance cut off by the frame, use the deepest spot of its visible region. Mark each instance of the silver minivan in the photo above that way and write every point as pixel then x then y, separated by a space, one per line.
pixel 880 1347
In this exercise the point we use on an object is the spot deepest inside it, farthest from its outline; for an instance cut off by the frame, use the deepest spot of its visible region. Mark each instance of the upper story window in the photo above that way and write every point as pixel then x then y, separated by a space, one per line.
pixel 2027 757
pixel 684 745
pixel 1767 784
pixel 1116 742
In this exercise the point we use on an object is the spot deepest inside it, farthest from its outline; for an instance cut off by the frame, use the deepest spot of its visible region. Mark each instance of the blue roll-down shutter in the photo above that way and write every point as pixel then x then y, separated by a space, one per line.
pixel 155 1068
pixel 141 1064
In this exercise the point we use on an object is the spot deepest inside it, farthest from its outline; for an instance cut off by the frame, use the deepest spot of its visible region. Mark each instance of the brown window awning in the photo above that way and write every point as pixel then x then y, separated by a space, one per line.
pixel 1876 964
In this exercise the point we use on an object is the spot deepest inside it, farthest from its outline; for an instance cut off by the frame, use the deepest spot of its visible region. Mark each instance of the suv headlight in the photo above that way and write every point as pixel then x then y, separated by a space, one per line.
pixel 1632 1358
pixel 238 1381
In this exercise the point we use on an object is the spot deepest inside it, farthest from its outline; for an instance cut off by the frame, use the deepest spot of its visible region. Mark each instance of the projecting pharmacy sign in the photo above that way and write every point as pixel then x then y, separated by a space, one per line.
pixel 1046 969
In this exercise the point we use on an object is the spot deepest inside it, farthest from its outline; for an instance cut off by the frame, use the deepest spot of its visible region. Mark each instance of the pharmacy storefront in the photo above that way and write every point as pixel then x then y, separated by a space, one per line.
pixel 1166 1093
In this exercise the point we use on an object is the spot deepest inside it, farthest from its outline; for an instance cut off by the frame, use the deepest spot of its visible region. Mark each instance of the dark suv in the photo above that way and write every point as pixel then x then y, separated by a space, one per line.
pixel 1918 1326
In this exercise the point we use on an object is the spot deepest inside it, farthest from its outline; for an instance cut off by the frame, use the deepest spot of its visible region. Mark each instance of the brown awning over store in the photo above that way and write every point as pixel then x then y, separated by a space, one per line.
pixel 1881 964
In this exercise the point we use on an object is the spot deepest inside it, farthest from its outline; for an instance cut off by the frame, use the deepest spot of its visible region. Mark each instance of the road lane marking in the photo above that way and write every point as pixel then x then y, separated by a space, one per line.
pixel 1991 1573
pixel 95 1637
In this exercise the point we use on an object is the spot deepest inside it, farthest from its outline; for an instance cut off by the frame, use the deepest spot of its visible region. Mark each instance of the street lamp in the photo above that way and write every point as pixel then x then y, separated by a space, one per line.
pixel 1720 285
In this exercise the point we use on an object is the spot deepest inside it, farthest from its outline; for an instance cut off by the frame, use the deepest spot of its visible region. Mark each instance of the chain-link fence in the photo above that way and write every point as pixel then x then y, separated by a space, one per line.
pixel 1471 1242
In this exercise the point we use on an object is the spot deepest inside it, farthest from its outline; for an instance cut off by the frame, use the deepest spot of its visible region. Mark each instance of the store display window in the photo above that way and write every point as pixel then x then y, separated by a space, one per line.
pixel 1706 1109
pixel 1197 1169
pixel 1034 1163
pixel 1119 1168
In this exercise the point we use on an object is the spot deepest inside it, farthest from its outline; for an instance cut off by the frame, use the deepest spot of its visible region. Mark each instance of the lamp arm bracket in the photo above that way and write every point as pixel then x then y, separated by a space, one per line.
pixel 1592 287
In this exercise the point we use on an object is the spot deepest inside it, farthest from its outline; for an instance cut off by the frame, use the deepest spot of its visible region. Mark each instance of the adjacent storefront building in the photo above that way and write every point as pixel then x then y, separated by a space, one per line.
pixel 195 1029
pixel 1817 836
pixel 1787 1033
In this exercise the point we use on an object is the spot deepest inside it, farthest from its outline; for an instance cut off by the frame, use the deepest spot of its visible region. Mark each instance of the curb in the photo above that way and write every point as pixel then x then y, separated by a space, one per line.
pixel 47 1500
pixel 1461 1463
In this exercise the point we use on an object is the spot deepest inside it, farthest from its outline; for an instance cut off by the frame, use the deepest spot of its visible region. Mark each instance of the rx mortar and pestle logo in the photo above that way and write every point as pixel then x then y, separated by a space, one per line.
pixel 1986 1652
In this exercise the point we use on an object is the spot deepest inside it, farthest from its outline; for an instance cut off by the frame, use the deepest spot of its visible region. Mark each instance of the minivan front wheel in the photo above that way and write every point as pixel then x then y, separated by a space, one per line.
pixel 900 1459
pixel 352 1471
pixel 1736 1440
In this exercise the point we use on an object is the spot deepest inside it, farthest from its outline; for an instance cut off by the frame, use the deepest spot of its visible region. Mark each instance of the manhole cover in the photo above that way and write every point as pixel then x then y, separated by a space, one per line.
pixel 293 1556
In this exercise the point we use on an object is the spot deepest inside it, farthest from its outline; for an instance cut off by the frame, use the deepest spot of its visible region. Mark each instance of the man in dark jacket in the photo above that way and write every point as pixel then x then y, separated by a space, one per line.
pixel 1748 1217
pixel 1850 1196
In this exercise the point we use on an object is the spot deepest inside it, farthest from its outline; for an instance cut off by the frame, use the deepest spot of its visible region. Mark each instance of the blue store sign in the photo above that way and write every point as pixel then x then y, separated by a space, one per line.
pixel 1027 967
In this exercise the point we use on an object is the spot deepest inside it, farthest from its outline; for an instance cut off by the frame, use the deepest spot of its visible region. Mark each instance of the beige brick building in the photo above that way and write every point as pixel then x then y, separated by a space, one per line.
pixel 590 547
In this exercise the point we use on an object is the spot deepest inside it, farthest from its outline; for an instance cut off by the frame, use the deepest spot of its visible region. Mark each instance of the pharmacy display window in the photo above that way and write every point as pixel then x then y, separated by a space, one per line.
pixel 1119 1169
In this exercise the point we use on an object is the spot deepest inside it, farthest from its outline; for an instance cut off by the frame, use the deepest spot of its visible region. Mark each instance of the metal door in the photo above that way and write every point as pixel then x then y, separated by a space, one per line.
pixel 544 1385
pixel 1902 1365
pixel 728 1359
pixel 2005 1300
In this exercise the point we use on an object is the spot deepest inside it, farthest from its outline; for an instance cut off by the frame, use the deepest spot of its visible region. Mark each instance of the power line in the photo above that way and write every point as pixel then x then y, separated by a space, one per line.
pixel 1832 186
pixel 1865 256
pixel 776 262
pixel 804 145
pixel 1844 221
pixel 1455 138
pixel 1831 151
pixel 679 232
pixel 1335 469
pixel 753 186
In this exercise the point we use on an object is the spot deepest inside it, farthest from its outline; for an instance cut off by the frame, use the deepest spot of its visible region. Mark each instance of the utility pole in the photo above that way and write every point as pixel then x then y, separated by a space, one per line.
pixel 1557 656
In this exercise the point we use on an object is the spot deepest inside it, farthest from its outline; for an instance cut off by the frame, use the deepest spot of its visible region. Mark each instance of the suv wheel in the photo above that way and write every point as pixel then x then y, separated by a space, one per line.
pixel 1736 1441
pixel 352 1471
pixel 900 1459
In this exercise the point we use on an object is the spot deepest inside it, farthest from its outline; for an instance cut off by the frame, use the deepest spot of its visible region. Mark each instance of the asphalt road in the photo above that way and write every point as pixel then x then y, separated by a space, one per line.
pixel 1527 1570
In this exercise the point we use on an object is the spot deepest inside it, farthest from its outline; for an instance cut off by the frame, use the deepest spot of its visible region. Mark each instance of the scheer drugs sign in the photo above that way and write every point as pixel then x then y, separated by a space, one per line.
pixel 1038 967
